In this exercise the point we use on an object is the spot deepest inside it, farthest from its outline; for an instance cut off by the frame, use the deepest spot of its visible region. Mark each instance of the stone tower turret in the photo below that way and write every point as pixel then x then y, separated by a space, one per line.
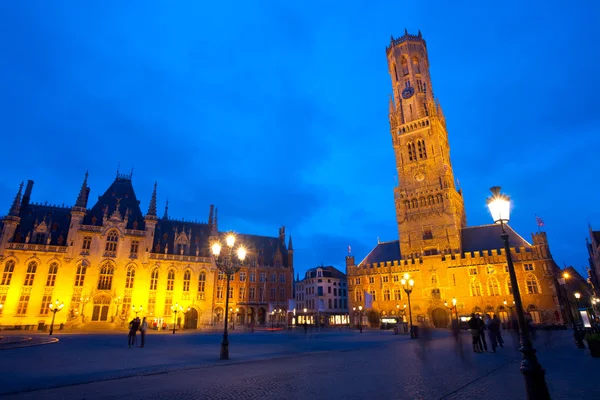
pixel 11 221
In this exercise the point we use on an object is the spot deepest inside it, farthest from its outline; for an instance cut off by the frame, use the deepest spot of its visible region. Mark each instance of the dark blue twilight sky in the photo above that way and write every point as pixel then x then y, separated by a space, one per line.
pixel 277 111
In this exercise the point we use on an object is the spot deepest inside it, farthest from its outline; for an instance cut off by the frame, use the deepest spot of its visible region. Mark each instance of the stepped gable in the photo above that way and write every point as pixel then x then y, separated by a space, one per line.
pixel 169 231
pixel 384 251
pixel 487 237
pixel 120 192
pixel 51 219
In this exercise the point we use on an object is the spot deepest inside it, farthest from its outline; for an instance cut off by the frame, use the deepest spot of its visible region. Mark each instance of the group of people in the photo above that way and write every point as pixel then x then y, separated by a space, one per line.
pixel 478 327
pixel 134 326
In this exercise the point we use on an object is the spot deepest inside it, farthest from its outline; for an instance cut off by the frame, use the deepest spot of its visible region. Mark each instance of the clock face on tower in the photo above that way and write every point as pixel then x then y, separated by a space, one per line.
pixel 419 176
pixel 408 92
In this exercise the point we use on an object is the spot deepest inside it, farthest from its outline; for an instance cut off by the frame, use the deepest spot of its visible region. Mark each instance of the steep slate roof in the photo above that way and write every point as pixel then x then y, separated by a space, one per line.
pixel 56 218
pixel 328 272
pixel 487 237
pixel 265 247
pixel 119 192
pixel 596 237
pixel 384 251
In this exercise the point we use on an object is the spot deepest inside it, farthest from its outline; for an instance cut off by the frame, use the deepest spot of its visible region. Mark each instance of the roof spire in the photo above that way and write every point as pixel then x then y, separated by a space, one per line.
pixel 210 214
pixel 152 206
pixel 216 219
pixel 82 198
pixel 16 206
pixel 166 216
pixel 290 247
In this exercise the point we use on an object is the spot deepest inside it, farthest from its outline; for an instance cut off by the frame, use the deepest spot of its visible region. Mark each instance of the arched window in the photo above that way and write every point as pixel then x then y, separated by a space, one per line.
pixel 106 275
pixel 410 153
pixel 406 204
pixel 80 275
pixel 373 294
pixel 416 66
pixel 475 288
pixel 493 287
pixel 422 149
pixel 111 242
pixel 129 279
pixel 434 280
pixel 509 289
pixel 52 271
pixel 30 275
pixel 358 295
pixel 386 295
pixel 404 65
pixel 532 284
pixel 9 268
pixel 201 282
pixel 154 279
pixel 171 279
pixel 415 204
pixel 187 276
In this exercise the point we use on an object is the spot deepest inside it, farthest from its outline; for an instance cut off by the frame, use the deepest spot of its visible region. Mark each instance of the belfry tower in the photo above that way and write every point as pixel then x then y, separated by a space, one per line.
pixel 429 207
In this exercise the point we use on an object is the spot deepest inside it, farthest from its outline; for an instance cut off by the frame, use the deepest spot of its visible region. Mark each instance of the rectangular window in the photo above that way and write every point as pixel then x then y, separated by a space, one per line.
pixel 320 291
pixel 397 294
pixel 273 293
pixel 373 295
pixel 22 306
pixel 281 278
pixel 135 245
pixel 335 304
pixel 329 305
pixel 371 279
pixel 273 278
pixel 357 281
pixel 126 305
pixel 261 294
pixel 385 279
pixel 386 295
pixel 231 292
pixel 168 304
pixel 252 293
pixel 472 270
pixel 528 267
pixel 45 308
pixel 396 278
pixel 2 301
pixel 335 292
pixel 51 275
pixel 87 243
pixel 242 276
pixel 242 294
pixel 252 276
pixel 282 296
pixel 151 305
pixel 220 292
pixel 75 304
pixel 221 275
pixel 329 289
pixel 263 277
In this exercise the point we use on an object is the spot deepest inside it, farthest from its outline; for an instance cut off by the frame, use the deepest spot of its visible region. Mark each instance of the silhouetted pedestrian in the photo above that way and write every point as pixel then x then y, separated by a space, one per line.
pixel 499 331
pixel 474 327
pixel 143 328
pixel 134 325
pixel 482 342
pixel 492 328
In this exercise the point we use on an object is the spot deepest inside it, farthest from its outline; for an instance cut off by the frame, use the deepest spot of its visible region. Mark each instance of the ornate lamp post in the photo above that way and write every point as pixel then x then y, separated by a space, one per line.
pixel 118 301
pixel 407 285
pixel 360 308
pixel 83 301
pixel 136 310
pixel 576 334
pixel 229 266
pixel 55 307
pixel 176 308
pixel 577 297
pixel 237 313
pixel 535 381
pixel 452 309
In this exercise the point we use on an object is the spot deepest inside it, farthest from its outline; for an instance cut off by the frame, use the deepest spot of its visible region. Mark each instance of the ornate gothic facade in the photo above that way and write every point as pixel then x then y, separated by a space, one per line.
pixel 445 257
pixel 104 260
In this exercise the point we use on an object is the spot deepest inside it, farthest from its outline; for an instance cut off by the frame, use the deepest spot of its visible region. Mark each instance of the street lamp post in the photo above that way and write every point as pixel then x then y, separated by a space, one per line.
pixel 84 301
pixel 533 373
pixel 577 297
pixel 403 311
pixel 136 310
pixel 360 308
pixel 576 334
pixel 229 266
pixel 452 308
pixel 55 307
pixel 407 285
pixel 176 308
pixel 118 301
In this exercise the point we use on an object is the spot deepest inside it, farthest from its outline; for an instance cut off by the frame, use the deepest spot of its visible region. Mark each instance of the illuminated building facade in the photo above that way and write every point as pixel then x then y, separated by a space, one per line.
pixel 323 293
pixel 104 260
pixel 444 256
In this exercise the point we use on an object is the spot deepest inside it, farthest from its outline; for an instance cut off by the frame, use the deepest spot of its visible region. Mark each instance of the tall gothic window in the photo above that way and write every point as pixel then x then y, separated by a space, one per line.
pixel 80 275
pixel 475 288
pixel 201 282
pixel 422 149
pixel 171 279
pixel 416 66
pixel 532 284
pixel 187 276
pixel 52 271
pixel 404 66
pixel 129 279
pixel 111 242
pixel 106 275
pixel 30 275
pixel 9 268
pixel 154 279
pixel 493 287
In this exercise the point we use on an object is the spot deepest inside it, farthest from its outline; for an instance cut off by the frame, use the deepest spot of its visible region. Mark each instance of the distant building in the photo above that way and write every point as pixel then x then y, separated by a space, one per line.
pixel 445 258
pixel 101 261
pixel 593 248
pixel 322 296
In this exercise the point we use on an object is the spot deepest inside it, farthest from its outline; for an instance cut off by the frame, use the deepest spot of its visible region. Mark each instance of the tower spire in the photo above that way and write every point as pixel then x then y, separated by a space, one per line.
pixel 166 216
pixel 152 206
pixel 16 205
pixel 82 198
pixel 290 247
pixel 210 214
pixel 216 219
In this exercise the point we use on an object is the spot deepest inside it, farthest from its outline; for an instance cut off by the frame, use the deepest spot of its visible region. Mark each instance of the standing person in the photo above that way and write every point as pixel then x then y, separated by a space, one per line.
pixel 492 328
pixel 499 332
pixel 131 334
pixel 474 327
pixel 482 333
pixel 143 328
pixel 135 325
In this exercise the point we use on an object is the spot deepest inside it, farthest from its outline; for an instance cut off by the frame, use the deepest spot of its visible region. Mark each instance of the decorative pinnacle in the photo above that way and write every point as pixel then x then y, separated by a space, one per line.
pixel 16 206
pixel 166 216
pixel 81 199
pixel 152 206
pixel 290 247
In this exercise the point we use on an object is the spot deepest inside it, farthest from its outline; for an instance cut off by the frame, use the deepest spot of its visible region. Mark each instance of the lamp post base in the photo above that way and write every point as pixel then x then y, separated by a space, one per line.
pixel 534 374
pixel 224 348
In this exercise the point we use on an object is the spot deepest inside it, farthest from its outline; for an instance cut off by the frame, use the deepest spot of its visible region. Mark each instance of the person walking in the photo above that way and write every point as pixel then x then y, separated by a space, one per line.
pixel 143 328
pixel 492 329
pixel 498 323
pixel 474 327
pixel 482 342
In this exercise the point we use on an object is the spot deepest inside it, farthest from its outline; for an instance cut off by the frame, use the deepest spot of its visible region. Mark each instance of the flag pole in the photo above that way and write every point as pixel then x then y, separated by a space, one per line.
pixel 537 222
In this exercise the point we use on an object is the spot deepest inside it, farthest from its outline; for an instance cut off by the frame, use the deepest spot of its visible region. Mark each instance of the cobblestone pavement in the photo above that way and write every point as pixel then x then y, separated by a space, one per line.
pixel 17 341
pixel 350 366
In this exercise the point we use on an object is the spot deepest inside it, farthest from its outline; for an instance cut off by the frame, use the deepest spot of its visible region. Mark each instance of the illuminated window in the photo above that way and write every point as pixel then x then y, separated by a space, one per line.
pixel 187 276
pixel 154 279
pixel 2 301
pixel 404 65
pixel 201 282
pixel 126 305
pixel 493 287
pixel 532 284
pixel 385 279
pixel 170 279
pixel 45 308
pixel 106 276
pixel 252 276
pixel 373 295
pixel 509 286
pixel 80 276
pixel 221 275
pixel 528 267
pixel 151 305
pixel 416 66
pixel 231 292
pixel 397 294
pixel 87 243
pixel 536 318
pixel 242 276
pixel 22 306
pixel 111 242
pixel 30 275
pixel 220 292
pixel 386 295
pixel 9 268
pixel 52 271
pixel 242 293
pixel 168 304
pixel 130 277
pixel 475 288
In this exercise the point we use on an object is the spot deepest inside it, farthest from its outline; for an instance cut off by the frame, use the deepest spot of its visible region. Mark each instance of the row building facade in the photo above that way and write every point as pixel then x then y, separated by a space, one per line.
pixel 109 261
pixel 445 257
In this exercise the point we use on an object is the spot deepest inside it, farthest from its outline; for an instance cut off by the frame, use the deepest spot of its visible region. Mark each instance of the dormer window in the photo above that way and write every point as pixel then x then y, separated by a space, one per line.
pixel 111 242
pixel 319 273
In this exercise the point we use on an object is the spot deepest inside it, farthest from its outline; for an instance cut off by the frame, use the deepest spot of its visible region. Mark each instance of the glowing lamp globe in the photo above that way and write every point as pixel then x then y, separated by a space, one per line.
pixel 577 295
pixel 499 206
pixel 241 253
pixel 454 301
pixel 216 249
pixel 230 240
